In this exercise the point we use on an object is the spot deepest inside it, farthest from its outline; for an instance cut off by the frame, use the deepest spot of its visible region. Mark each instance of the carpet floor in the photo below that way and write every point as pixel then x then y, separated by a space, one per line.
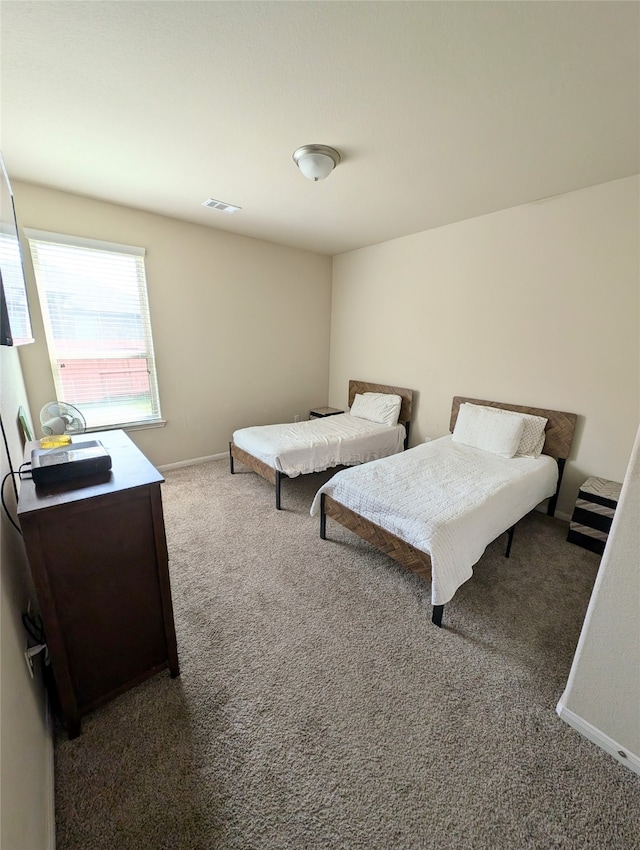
pixel 319 708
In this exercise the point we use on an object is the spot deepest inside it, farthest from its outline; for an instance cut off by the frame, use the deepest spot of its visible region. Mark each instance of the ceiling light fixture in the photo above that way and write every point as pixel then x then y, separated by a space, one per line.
pixel 316 161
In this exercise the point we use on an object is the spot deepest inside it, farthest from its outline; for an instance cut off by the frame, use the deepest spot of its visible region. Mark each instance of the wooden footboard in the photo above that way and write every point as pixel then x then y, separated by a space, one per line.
pixel 405 554
pixel 253 463
pixel 263 469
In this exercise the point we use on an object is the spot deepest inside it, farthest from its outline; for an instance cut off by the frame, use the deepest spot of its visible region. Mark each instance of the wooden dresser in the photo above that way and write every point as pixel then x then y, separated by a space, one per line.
pixel 98 556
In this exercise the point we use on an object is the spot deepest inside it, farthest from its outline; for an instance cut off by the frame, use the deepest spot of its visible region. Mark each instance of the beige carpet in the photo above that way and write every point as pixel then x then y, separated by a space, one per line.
pixel 319 708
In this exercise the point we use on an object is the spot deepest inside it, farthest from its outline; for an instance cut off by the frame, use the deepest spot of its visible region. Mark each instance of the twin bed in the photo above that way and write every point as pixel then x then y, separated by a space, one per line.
pixel 438 506
pixel 377 426
pixel 433 508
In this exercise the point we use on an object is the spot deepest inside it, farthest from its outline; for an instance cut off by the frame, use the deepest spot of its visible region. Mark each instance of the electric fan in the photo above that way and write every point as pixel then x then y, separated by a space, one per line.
pixel 59 417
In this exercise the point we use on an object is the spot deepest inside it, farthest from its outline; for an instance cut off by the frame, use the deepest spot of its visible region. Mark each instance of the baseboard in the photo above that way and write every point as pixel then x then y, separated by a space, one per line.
pixel 558 514
pixel 598 737
pixel 193 462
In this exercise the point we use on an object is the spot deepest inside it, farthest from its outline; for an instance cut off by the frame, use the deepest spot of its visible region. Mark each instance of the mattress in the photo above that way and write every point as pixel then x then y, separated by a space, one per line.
pixel 446 499
pixel 312 446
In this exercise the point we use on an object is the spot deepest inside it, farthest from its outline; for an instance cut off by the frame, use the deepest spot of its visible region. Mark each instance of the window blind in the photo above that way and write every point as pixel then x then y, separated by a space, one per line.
pixel 93 297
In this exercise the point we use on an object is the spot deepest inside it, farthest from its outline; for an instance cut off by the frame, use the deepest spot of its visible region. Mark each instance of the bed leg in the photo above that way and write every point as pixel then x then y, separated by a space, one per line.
pixel 231 460
pixel 436 617
pixel 553 501
pixel 278 482
pixel 509 541
pixel 323 519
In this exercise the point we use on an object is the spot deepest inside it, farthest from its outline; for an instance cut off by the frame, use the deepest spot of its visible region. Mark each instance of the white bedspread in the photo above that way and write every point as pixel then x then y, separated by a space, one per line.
pixel 311 446
pixel 446 499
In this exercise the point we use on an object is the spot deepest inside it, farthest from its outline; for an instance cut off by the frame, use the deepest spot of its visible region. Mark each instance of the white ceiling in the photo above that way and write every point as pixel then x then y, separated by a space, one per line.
pixel 442 111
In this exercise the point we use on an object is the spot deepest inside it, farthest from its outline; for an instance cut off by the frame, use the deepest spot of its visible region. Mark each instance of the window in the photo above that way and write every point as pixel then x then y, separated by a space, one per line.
pixel 93 297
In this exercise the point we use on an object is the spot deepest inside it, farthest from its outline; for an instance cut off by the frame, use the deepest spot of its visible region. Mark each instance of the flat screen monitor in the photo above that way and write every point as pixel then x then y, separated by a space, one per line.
pixel 15 318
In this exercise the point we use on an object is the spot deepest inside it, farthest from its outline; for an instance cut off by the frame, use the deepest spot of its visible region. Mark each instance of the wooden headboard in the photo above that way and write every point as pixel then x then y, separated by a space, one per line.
pixel 406 408
pixel 559 428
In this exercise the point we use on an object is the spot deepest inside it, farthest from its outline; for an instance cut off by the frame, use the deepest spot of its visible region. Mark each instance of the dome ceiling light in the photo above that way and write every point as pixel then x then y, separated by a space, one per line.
pixel 316 161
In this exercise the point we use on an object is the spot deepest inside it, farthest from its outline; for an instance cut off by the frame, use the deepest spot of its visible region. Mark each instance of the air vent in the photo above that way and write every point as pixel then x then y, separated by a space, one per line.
pixel 220 205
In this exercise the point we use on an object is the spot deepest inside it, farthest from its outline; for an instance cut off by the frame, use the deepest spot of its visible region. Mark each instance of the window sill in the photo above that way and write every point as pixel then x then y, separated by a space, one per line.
pixel 128 426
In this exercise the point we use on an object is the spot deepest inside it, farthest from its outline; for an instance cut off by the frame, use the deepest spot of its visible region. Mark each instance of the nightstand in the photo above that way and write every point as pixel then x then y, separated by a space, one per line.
pixel 321 412
pixel 593 513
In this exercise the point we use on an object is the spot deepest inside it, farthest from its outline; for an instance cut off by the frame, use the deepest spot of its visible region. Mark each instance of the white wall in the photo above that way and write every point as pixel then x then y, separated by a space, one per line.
pixel 26 778
pixel 602 697
pixel 240 326
pixel 536 305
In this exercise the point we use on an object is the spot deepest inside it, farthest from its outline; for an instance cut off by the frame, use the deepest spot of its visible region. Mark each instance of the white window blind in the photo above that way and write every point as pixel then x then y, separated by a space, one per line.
pixel 93 297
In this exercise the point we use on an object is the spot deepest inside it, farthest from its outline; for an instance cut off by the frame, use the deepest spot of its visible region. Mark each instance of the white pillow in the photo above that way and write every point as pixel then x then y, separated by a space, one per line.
pixel 533 435
pixel 377 407
pixel 486 429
